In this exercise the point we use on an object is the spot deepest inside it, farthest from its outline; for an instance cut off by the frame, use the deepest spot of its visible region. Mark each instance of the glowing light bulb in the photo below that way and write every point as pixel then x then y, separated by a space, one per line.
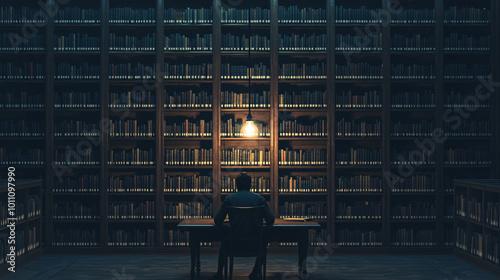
pixel 249 129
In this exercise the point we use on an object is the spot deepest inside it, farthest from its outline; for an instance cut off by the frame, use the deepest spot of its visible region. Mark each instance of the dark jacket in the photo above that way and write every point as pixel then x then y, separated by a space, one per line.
pixel 243 199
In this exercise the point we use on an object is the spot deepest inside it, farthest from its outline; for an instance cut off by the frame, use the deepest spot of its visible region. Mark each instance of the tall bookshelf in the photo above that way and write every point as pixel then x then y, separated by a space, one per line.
pixel 330 94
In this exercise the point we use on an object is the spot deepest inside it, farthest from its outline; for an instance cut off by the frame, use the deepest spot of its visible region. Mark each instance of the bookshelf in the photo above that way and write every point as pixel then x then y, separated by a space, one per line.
pixel 172 82
pixel 476 221
pixel 27 198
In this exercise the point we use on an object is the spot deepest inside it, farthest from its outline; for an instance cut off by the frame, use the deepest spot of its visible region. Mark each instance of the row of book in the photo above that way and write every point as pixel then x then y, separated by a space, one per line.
pixel 294 14
pixel 75 210
pixel 190 184
pixel 131 128
pixel 132 211
pixel 368 99
pixel 240 72
pixel 357 128
pixel 132 15
pixel 413 129
pixel 239 157
pixel 466 156
pixel 188 99
pixel 357 237
pixel 257 42
pixel 463 42
pixel 188 157
pixel 26 71
pixel 83 183
pixel 350 43
pixel 75 238
pixel 230 42
pixel 71 99
pixel 305 42
pixel 461 239
pixel 491 213
pixel 469 128
pixel 416 42
pixel 302 157
pixel 286 15
pixel 294 128
pixel 132 99
pixel 258 184
pixel 359 183
pixel 359 156
pixel 232 99
pixel 464 71
pixel 303 99
pixel 69 156
pixel 235 15
pixel 132 43
pixel 180 42
pixel 134 156
pixel 21 99
pixel 258 71
pixel 415 210
pixel 131 183
pixel 85 71
pixel 75 128
pixel 304 71
pixel 9 156
pixel 317 211
pixel 413 157
pixel 131 238
pixel 9 42
pixel 410 237
pixel 185 210
pixel 232 128
pixel 76 42
pixel 301 184
pixel 188 128
pixel 24 210
pixel 27 240
pixel 21 128
pixel 365 210
pixel 414 183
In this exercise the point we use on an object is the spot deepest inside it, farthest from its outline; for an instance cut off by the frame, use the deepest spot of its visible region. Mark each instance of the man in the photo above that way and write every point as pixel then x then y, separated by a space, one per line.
pixel 243 198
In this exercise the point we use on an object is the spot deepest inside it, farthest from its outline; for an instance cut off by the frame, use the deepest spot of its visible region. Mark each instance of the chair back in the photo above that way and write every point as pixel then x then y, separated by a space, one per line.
pixel 246 229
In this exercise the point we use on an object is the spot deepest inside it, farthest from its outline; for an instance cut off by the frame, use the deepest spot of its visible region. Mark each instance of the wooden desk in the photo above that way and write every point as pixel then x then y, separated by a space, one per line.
pixel 204 230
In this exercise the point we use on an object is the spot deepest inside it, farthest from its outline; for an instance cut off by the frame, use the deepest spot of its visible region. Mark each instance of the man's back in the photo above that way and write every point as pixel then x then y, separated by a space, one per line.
pixel 243 199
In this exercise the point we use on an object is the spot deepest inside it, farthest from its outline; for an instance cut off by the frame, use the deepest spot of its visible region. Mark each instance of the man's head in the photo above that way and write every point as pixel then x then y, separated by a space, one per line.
pixel 243 182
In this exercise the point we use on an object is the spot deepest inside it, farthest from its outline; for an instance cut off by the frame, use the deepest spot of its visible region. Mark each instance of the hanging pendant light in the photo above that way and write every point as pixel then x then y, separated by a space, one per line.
pixel 249 129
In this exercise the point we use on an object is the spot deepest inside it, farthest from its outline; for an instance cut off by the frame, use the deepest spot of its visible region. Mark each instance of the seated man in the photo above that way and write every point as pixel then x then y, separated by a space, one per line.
pixel 243 198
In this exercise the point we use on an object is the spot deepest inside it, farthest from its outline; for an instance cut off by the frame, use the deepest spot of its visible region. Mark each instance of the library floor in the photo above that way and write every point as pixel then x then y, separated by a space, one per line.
pixel 337 267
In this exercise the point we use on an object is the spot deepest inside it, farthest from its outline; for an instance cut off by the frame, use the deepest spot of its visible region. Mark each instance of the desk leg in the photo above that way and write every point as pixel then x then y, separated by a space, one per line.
pixel 194 243
pixel 303 246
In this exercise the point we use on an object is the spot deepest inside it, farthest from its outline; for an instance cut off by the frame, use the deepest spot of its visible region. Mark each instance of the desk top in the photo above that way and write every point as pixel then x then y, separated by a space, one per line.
pixel 491 184
pixel 186 223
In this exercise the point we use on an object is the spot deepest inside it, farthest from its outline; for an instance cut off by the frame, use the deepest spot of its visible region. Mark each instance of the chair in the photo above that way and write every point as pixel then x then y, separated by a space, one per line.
pixel 245 237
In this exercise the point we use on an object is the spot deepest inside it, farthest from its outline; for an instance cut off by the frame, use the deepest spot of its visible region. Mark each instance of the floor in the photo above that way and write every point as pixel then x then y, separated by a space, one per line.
pixel 282 267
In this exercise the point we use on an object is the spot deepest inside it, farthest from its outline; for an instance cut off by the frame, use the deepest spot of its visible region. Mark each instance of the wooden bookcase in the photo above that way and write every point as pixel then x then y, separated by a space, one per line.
pixel 28 224
pixel 378 50
pixel 476 222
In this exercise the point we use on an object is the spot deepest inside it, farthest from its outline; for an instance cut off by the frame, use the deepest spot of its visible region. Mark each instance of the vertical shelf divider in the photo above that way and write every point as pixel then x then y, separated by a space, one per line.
pixel 386 120
pixel 49 128
pixel 160 154
pixel 330 91
pixel 439 88
pixel 104 88
pixel 216 106
pixel 274 107
pixel 495 110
